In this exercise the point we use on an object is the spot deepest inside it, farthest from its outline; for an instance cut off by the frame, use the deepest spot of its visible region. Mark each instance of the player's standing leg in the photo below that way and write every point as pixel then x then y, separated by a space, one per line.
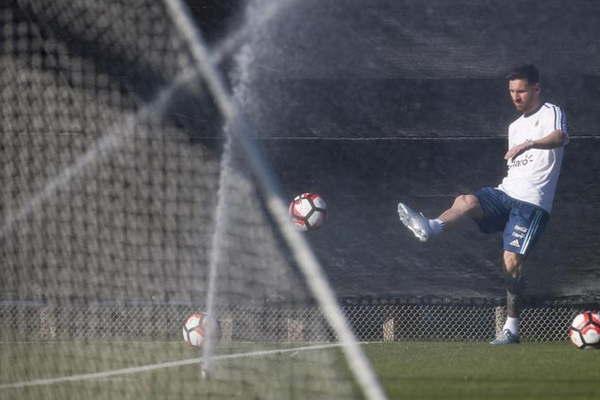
pixel 512 264
pixel 466 205
pixel 522 231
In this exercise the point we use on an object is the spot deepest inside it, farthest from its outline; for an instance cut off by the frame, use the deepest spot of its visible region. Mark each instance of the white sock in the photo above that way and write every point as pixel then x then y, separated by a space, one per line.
pixel 512 324
pixel 436 226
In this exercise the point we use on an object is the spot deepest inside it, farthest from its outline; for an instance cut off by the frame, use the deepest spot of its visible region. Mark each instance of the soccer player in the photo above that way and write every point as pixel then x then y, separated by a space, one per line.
pixel 521 204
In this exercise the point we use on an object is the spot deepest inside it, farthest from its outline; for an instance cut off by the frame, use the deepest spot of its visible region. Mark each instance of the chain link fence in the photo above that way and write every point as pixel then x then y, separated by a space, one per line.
pixel 280 323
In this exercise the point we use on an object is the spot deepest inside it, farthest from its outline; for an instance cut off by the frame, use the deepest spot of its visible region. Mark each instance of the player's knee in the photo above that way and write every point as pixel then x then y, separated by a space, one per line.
pixel 512 264
pixel 467 201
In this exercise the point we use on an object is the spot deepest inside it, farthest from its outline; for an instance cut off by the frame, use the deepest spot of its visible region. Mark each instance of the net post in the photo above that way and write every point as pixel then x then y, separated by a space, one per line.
pixel 226 325
pixel 389 332
pixel 500 317
pixel 295 330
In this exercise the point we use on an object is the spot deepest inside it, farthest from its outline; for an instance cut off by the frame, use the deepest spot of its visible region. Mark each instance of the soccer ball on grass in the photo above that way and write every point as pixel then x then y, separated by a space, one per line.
pixel 585 330
pixel 195 328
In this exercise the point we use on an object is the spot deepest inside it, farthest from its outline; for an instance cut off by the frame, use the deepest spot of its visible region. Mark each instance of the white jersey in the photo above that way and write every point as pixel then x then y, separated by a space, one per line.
pixel 532 176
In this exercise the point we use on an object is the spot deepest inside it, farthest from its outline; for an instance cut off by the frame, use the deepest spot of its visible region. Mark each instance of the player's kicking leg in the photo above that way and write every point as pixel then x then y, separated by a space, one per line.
pixel 416 222
pixel 423 228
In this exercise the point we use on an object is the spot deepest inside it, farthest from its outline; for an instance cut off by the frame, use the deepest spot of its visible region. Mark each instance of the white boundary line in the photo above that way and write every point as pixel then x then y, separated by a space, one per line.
pixel 168 364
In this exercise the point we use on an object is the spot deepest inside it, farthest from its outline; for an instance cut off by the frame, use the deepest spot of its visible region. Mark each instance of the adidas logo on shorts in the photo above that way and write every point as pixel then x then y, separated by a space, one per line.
pixel 515 243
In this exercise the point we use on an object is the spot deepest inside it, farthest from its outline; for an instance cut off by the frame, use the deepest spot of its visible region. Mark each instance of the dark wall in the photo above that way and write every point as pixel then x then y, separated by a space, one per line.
pixel 370 104
pixel 374 103
pixel 214 17
pixel 406 68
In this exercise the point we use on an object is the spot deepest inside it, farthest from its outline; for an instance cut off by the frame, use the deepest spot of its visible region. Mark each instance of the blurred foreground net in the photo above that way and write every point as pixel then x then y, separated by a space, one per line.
pixel 112 173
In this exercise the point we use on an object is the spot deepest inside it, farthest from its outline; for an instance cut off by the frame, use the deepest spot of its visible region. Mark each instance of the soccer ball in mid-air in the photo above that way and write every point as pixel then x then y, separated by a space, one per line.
pixel 308 211
pixel 195 328
pixel 585 330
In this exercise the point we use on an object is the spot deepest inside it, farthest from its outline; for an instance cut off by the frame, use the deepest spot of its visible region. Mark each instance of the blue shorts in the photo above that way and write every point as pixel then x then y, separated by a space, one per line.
pixel 522 223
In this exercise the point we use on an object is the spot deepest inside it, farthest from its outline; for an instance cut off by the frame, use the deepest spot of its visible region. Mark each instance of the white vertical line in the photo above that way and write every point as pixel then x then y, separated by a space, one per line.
pixel 215 256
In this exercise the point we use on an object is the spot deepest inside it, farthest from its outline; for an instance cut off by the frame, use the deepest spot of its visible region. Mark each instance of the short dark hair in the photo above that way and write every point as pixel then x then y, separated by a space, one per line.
pixel 525 71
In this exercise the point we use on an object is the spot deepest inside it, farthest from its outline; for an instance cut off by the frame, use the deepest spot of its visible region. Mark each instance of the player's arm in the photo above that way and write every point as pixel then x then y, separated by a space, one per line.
pixel 554 139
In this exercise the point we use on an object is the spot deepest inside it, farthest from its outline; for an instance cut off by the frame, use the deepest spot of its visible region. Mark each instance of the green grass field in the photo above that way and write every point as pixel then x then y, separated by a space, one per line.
pixel 480 371
pixel 408 370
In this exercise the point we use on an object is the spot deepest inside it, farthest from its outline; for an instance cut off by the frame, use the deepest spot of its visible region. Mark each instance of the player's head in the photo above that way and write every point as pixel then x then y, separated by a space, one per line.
pixel 524 87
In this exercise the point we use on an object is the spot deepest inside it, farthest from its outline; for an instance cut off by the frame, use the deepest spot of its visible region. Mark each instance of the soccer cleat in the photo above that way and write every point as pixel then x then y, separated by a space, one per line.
pixel 505 337
pixel 416 222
